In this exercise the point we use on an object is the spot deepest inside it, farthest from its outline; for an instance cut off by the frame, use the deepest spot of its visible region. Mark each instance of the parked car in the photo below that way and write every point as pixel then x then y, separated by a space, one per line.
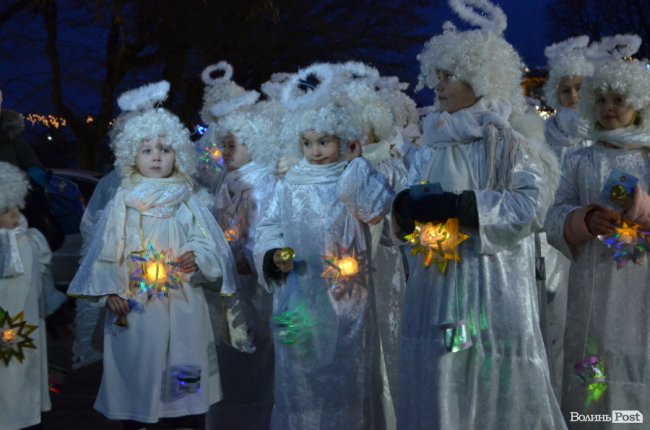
pixel 65 260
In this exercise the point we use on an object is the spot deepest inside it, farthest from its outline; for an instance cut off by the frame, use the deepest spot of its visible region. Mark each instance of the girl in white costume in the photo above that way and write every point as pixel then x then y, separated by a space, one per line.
pixel 326 343
pixel 24 256
pixel 159 354
pixel 565 132
pixel 606 342
pixel 472 354
pixel 248 139
pixel 389 275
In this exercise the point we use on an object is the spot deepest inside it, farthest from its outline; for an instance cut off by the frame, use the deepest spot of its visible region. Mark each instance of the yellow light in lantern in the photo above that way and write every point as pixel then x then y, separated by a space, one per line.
pixel 216 153
pixel 9 336
pixel 348 266
pixel 230 234
pixel 155 272
pixel 432 235
pixel 628 233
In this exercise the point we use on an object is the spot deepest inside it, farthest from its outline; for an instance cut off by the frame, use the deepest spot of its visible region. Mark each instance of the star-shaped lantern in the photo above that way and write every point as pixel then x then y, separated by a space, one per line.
pixel 628 242
pixel 154 273
pixel 344 266
pixel 14 336
pixel 211 157
pixel 437 243
pixel 591 372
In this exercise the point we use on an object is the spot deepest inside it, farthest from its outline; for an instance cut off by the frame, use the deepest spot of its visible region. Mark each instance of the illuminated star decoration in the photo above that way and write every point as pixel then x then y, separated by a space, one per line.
pixel 591 372
pixel 155 273
pixel 629 243
pixel 344 268
pixel 14 336
pixel 293 327
pixel 437 243
pixel 211 157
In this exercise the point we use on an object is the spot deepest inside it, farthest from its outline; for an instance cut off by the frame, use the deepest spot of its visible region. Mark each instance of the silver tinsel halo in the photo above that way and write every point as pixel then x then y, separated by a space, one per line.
pixel 482 58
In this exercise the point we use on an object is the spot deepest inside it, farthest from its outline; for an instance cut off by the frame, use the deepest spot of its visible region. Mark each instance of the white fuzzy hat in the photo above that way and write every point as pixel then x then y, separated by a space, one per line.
pixel 404 108
pixel 273 87
pixel 324 109
pixel 482 58
pixel 142 121
pixel 222 95
pixel 358 81
pixel 258 128
pixel 14 187
pixel 565 59
pixel 628 77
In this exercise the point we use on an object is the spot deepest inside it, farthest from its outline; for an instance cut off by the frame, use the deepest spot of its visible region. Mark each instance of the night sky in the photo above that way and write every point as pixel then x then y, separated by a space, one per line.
pixel 23 78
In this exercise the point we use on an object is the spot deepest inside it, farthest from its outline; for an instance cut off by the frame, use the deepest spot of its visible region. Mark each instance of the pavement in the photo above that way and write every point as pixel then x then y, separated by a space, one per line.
pixel 72 405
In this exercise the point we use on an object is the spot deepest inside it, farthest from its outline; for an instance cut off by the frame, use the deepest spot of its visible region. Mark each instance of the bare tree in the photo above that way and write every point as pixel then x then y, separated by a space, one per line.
pixel 598 18
pixel 88 51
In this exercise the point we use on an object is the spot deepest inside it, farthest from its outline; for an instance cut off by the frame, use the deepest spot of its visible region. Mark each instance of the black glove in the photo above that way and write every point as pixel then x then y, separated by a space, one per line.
pixel 431 207
pixel 435 208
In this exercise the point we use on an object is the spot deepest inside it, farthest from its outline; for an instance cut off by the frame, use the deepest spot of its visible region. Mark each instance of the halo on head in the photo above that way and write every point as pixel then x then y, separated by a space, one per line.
pixel 565 59
pixel 481 58
pixel 294 97
pixel 221 66
pixel 144 97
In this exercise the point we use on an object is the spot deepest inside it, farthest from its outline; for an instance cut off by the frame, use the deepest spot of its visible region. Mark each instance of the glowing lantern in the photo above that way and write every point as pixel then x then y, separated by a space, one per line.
pixel 9 336
pixel 438 243
pixel 231 234
pixel 155 272
pixel 348 266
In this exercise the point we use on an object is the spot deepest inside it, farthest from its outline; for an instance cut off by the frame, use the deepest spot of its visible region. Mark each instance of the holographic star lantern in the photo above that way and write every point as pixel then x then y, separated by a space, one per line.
pixel 294 327
pixel 154 273
pixel 438 243
pixel 211 157
pixel 629 242
pixel 14 336
pixel 591 372
pixel 345 268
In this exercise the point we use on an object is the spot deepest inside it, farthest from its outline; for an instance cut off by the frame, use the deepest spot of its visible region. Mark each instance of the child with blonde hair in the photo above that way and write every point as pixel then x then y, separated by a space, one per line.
pixel 155 247
pixel 24 256
pixel 600 221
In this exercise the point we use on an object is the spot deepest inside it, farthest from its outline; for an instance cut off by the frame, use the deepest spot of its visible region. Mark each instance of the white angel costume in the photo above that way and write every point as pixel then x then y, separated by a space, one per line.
pixel 327 371
pixel 607 307
pixel 499 379
pixel 169 334
pixel 24 256
pixel 389 271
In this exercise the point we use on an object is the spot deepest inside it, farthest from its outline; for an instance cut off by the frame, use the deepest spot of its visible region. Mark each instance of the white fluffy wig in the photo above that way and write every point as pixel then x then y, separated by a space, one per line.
pixel 222 95
pixel 404 108
pixel 324 109
pixel 481 58
pixel 258 128
pixel 14 187
pixel 141 121
pixel 629 78
pixel 373 111
pixel 565 59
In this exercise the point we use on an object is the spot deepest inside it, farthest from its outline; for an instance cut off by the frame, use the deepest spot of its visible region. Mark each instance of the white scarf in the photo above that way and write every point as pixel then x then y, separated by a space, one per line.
pixel 626 138
pixel 567 129
pixel 158 197
pixel 304 173
pixel 238 181
pixel 377 152
pixel 445 135
pixel 11 263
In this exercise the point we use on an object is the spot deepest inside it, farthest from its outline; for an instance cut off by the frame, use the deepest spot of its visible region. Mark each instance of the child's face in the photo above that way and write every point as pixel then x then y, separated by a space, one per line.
pixel 319 148
pixel 10 218
pixel 612 111
pixel 452 93
pixel 235 154
pixel 155 159
pixel 569 91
